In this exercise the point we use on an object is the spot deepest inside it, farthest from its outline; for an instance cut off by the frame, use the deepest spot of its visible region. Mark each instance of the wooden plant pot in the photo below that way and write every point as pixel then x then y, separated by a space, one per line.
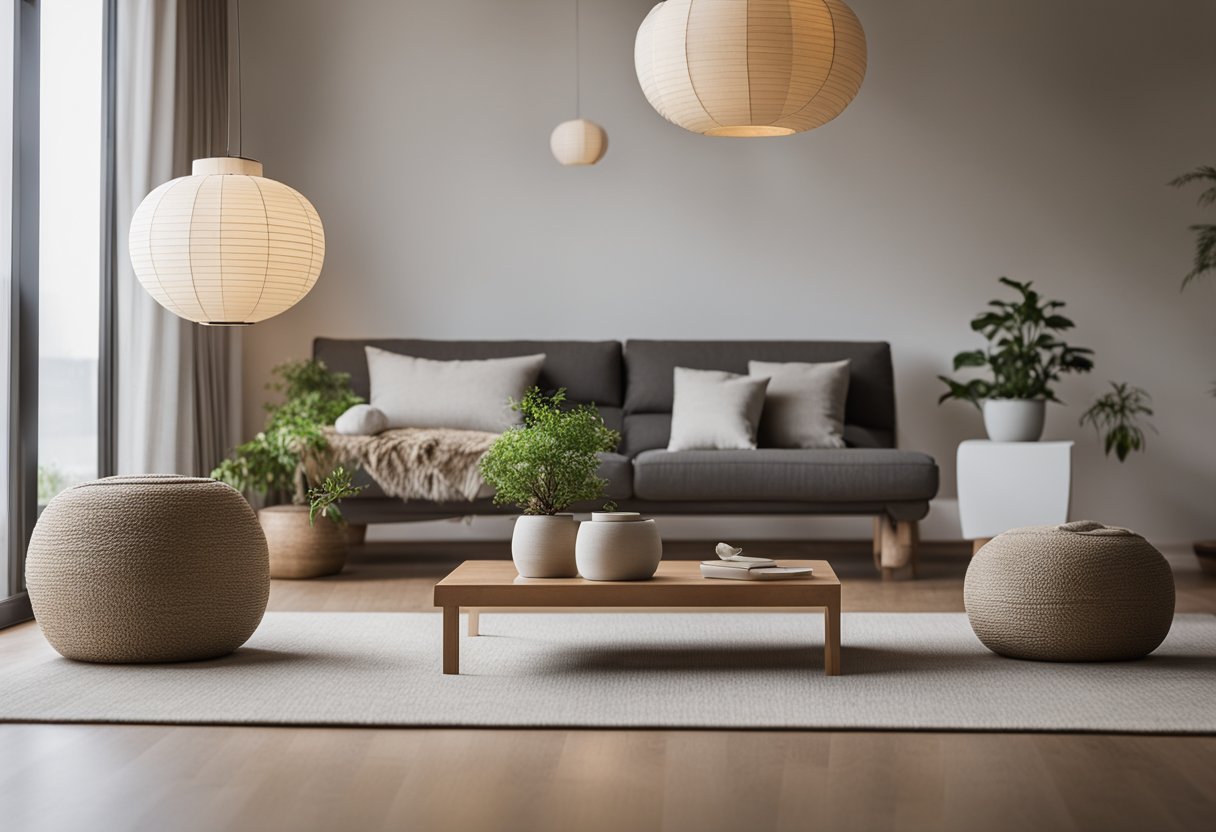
pixel 298 550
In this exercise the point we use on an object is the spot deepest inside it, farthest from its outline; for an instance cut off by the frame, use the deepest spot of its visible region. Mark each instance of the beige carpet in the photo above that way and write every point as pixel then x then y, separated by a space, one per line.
pixel 918 671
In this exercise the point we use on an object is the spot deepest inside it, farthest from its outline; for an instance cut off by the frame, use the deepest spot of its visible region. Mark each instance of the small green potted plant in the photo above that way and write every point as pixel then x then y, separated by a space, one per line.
pixel 1024 358
pixel 543 467
pixel 277 466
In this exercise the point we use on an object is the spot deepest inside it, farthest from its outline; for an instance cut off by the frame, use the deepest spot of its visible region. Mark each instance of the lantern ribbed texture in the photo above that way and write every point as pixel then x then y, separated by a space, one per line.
pixel 578 142
pixel 750 67
pixel 225 245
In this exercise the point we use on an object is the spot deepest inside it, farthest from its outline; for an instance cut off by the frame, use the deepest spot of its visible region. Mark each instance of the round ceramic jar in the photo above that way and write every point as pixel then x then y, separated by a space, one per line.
pixel 618 546
pixel 542 546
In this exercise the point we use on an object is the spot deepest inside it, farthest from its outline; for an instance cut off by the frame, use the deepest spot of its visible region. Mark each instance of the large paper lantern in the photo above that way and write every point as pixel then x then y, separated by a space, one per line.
pixel 750 67
pixel 578 142
pixel 226 246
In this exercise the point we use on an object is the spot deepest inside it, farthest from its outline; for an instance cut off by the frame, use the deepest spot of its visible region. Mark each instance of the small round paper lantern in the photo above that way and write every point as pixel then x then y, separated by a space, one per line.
pixel 750 67
pixel 578 142
pixel 226 246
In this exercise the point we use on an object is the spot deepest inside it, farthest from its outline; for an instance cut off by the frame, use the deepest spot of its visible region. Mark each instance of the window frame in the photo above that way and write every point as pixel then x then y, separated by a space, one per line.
pixel 23 378
pixel 22 505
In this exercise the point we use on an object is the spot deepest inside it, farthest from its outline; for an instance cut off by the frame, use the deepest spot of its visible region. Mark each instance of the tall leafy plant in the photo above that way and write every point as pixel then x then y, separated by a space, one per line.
pixel 1205 235
pixel 1025 355
pixel 550 461
pixel 272 463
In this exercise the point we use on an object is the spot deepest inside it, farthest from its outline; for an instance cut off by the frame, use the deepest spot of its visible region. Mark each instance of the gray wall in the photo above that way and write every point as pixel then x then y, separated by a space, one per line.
pixel 1024 137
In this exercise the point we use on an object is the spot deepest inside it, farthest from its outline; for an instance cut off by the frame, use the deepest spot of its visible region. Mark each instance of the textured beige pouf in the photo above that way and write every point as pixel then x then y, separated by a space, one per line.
pixel 1080 592
pixel 148 569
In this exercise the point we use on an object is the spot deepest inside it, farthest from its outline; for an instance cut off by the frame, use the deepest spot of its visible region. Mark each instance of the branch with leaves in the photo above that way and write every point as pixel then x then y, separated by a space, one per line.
pixel 1116 416
pixel 323 499
pixel 1024 356
pixel 1205 235
pixel 272 463
pixel 549 462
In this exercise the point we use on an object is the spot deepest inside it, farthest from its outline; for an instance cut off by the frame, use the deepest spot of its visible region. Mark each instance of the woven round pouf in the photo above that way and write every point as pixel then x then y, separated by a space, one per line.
pixel 148 569
pixel 1080 592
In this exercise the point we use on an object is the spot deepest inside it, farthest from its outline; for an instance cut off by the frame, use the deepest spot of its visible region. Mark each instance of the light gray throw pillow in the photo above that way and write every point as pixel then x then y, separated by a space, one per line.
pixel 465 395
pixel 361 420
pixel 715 410
pixel 804 405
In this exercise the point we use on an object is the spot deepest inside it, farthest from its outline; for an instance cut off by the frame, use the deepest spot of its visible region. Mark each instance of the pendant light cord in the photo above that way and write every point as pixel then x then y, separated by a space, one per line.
pixel 578 80
pixel 240 101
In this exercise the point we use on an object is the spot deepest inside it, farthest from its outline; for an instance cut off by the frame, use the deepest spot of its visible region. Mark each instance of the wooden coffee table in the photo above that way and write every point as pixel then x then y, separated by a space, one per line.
pixel 678 586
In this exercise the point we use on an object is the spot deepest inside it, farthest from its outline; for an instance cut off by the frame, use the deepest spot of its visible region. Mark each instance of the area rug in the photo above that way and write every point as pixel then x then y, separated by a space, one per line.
pixel 902 671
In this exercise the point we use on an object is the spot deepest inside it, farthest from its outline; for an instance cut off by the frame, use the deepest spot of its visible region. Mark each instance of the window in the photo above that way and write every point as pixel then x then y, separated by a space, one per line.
pixel 56 118
pixel 69 250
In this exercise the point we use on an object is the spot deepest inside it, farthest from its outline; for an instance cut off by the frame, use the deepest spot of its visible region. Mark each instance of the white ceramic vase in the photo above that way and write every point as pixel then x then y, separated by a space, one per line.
pixel 618 546
pixel 542 546
pixel 1014 420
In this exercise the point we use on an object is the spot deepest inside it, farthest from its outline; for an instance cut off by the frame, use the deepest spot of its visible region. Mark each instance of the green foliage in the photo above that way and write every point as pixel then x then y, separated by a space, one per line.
pixel 549 463
pixel 50 482
pixel 1117 414
pixel 272 462
pixel 1024 355
pixel 323 499
pixel 1205 235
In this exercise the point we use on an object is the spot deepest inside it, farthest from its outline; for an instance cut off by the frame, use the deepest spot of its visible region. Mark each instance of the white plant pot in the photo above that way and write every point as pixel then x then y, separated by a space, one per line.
pixel 542 546
pixel 618 546
pixel 1014 420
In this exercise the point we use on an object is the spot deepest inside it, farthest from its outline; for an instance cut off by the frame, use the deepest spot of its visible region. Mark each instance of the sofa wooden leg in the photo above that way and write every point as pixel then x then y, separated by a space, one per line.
pixel 897 546
pixel 879 522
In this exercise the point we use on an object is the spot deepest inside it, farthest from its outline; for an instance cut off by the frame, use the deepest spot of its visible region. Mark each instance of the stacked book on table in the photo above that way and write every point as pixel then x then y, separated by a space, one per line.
pixel 737 567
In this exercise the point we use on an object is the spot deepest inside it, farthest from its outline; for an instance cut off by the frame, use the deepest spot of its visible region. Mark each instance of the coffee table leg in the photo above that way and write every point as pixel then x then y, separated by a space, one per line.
pixel 474 622
pixel 831 640
pixel 451 640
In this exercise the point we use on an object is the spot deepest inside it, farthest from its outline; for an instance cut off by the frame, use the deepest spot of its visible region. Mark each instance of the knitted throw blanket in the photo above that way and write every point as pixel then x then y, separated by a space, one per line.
pixel 435 464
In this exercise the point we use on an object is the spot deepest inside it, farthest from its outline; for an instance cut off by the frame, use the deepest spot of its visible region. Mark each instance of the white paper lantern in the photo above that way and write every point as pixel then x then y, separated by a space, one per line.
pixel 750 67
pixel 226 246
pixel 578 142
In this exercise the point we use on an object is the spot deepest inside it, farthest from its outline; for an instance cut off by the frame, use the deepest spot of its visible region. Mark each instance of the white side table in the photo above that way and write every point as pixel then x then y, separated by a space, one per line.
pixel 1003 485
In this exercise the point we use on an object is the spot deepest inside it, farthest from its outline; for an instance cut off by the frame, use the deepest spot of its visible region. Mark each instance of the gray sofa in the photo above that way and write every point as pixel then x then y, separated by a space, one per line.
pixel 631 384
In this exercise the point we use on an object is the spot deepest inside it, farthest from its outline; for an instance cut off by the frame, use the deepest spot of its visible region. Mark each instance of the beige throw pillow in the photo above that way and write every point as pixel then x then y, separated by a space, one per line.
pixel 465 395
pixel 715 410
pixel 804 405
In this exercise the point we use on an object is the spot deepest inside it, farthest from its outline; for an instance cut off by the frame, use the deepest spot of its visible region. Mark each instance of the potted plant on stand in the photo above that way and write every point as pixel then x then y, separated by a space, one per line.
pixel 543 467
pixel 1025 357
pixel 278 465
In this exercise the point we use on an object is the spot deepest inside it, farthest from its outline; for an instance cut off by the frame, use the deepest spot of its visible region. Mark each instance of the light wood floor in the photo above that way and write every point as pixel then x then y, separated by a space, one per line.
pixel 176 779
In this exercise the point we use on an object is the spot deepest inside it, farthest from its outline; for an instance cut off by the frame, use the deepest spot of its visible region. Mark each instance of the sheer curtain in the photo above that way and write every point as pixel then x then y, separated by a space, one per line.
pixel 178 383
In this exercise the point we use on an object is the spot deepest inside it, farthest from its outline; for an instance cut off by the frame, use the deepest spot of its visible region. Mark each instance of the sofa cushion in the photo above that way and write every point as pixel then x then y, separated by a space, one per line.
pixel 814 475
pixel 869 407
pixel 361 420
pixel 618 470
pixel 715 410
pixel 644 431
pixel 804 403
pixel 591 371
